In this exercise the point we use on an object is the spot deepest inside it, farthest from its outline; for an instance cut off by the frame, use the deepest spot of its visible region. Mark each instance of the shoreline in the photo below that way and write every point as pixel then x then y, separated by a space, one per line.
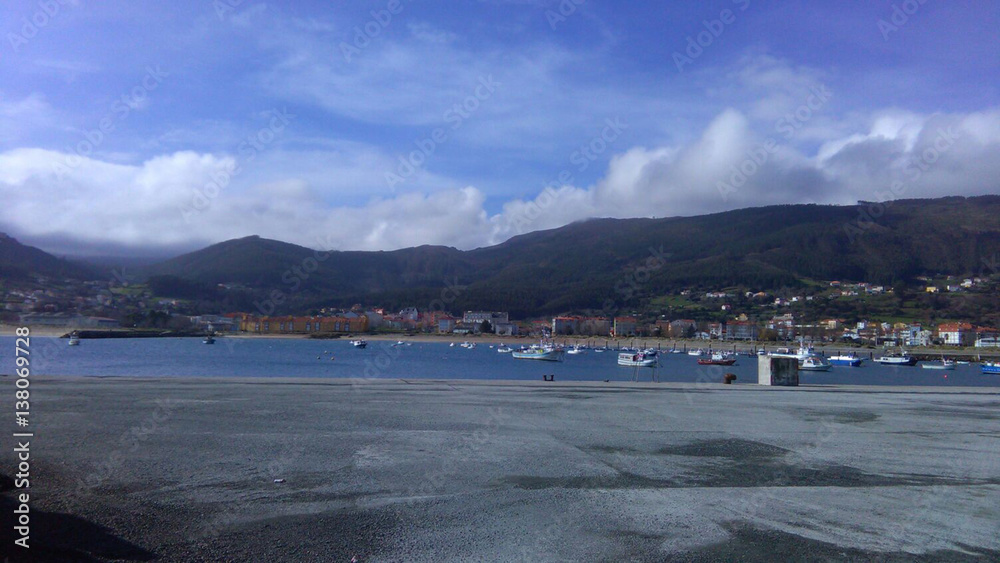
pixel 641 342
pixel 514 383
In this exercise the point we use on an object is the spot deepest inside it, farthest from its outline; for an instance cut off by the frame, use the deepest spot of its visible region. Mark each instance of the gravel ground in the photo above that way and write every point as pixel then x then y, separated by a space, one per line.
pixel 129 469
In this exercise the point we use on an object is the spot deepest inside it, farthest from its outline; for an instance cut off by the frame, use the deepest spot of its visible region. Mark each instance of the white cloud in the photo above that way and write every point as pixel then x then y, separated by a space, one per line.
pixel 20 116
pixel 287 199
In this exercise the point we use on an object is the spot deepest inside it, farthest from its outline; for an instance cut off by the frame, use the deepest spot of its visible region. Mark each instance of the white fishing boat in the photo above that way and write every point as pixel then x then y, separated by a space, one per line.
pixel 536 352
pixel 505 349
pixel 900 359
pixel 800 354
pixel 808 358
pixel 638 359
pixel 943 364
pixel 814 363
pixel 359 343
pixel 698 352
pixel 575 350
pixel 74 339
pixel 468 345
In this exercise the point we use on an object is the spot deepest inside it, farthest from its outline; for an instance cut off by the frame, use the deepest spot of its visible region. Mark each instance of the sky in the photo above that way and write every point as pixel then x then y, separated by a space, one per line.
pixel 131 128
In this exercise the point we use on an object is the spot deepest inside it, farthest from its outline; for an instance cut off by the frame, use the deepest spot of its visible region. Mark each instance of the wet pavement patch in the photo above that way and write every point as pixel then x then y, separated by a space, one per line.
pixel 726 447
pixel 748 543
pixel 839 416
pixel 728 462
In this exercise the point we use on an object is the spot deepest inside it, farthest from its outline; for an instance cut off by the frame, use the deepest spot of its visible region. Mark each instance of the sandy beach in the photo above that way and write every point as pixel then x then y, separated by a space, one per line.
pixel 179 469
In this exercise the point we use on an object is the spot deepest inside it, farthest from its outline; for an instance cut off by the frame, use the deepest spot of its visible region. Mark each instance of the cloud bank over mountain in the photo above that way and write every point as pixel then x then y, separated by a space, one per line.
pixel 426 136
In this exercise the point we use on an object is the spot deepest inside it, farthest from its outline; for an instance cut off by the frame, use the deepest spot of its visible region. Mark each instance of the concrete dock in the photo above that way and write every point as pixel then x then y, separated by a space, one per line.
pixel 173 469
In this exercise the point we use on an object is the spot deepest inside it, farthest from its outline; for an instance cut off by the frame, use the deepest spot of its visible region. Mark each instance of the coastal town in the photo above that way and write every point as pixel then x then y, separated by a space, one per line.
pixel 722 315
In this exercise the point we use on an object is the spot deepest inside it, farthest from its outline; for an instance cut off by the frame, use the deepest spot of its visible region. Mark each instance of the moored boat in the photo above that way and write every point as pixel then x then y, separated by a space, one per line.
pixel 849 360
pixel 74 339
pixel 814 363
pixel 991 368
pixel 943 364
pixel 808 358
pixel 359 343
pixel 544 353
pixel 900 359
pixel 638 359
pixel 717 360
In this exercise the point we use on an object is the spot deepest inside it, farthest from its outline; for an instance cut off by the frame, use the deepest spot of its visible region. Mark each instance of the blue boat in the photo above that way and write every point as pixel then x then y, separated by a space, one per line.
pixel 849 360
pixel 991 367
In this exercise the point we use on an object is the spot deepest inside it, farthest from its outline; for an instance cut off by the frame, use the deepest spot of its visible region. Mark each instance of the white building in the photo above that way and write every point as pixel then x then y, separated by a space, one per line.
pixel 988 342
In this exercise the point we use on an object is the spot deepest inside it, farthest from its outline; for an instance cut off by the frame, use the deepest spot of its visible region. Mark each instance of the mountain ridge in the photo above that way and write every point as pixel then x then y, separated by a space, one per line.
pixel 20 261
pixel 587 265
pixel 578 266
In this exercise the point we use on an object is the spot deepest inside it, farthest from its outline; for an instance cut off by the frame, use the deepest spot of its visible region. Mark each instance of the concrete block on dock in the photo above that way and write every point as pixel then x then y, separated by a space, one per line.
pixel 777 371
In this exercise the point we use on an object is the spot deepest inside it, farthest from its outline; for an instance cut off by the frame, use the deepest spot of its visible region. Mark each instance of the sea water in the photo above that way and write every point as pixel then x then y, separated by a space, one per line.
pixel 276 357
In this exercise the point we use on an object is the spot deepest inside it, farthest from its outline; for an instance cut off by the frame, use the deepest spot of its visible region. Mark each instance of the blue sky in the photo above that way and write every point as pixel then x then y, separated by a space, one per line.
pixel 130 127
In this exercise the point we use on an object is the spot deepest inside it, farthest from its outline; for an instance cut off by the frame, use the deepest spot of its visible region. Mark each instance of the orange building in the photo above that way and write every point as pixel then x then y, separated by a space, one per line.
pixel 302 325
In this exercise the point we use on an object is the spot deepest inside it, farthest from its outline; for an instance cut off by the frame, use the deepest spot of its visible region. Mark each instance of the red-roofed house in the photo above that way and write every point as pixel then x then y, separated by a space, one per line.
pixel 957 334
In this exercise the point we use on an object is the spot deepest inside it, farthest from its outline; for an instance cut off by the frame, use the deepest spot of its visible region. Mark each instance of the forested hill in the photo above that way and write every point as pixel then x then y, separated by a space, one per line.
pixel 584 265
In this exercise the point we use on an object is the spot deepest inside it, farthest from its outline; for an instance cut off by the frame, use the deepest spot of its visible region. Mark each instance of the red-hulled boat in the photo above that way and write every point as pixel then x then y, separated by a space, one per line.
pixel 717 360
